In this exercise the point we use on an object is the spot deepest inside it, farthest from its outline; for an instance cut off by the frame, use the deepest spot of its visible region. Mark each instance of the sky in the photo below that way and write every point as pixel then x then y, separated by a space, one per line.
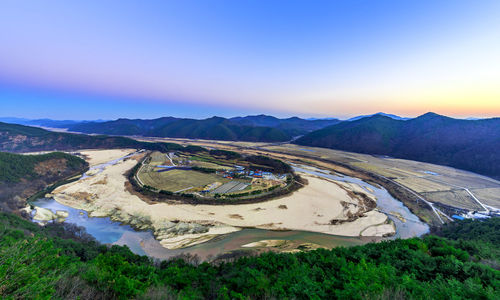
pixel 147 59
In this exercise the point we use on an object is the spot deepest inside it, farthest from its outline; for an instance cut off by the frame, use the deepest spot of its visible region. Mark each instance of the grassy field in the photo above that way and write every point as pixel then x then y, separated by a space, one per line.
pixel 420 185
pixel 488 196
pixel 176 180
pixel 418 176
pixel 205 164
pixel 456 198
pixel 436 183
pixel 157 158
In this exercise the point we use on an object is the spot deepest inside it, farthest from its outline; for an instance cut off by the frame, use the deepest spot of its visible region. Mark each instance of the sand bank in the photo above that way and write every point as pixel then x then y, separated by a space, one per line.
pixel 97 157
pixel 180 225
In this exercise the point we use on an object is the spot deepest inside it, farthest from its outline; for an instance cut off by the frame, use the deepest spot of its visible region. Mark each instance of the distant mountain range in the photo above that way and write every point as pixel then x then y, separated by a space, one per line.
pixel 472 145
pixel 44 122
pixel 259 128
pixel 293 126
pixel 379 114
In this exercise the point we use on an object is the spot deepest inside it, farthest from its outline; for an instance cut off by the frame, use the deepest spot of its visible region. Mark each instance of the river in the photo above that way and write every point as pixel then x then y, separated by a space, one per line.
pixel 143 242
pixel 411 226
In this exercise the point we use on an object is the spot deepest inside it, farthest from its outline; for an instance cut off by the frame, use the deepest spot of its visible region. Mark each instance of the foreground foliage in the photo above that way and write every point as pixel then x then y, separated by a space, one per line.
pixel 45 263
pixel 24 176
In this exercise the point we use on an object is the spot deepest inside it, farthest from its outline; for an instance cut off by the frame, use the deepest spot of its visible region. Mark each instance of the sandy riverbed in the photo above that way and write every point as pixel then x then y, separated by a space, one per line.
pixel 97 157
pixel 310 208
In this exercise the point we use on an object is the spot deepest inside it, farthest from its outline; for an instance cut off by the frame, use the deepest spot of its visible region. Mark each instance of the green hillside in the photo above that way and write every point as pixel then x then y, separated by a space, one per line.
pixel 21 176
pixel 61 261
pixel 14 167
pixel 464 144
pixel 20 138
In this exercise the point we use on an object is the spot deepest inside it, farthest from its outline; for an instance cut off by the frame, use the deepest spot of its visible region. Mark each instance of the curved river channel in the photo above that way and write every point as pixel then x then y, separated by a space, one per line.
pixel 142 242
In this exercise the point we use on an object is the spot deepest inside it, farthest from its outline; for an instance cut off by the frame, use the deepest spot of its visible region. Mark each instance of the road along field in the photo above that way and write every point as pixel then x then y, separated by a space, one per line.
pixel 443 186
pixel 432 192
pixel 324 206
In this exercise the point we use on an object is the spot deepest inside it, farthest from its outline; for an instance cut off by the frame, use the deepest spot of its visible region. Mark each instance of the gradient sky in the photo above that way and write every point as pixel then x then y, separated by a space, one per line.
pixel 146 59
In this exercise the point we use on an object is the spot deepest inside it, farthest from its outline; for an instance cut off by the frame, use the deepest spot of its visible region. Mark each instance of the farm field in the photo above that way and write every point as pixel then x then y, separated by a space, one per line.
pixel 176 180
pixel 157 158
pixel 212 174
pixel 489 196
pixel 418 176
pixel 440 184
pixel 178 225
pixel 231 187
pixel 456 198
pixel 420 185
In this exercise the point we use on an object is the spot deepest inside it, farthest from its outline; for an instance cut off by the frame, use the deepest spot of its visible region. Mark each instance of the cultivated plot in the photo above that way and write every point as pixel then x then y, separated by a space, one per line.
pixel 176 180
pixel 455 198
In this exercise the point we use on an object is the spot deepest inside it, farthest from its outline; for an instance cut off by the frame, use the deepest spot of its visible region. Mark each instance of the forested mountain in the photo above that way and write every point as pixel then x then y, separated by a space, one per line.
pixel 260 128
pixel 43 122
pixel 213 128
pixel 294 126
pixel 465 144
pixel 20 138
pixel 22 176
pixel 60 261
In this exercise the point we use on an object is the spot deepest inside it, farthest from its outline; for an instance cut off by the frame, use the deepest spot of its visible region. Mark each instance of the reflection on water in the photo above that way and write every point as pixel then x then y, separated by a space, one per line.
pixel 102 229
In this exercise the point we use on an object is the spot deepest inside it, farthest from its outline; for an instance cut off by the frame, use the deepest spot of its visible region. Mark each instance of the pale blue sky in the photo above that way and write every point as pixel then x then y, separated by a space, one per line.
pixel 109 59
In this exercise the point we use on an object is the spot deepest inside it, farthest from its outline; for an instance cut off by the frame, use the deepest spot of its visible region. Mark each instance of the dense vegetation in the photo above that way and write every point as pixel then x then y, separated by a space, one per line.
pixel 291 126
pixel 38 262
pixel 472 230
pixel 225 153
pixel 271 164
pixel 251 128
pixel 14 167
pixel 21 176
pixel 464 144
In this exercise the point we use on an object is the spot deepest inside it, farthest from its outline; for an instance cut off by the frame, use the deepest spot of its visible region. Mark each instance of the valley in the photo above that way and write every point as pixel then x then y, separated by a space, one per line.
pixel 336 205
pixel 188 193
pixel 434 193
pixel 178 225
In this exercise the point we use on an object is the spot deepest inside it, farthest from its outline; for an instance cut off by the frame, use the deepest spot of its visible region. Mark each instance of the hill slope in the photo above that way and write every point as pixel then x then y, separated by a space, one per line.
pixel 54 262
pixel 213 128
pixel 24 175
pixel 20 138
pixel 464 144
pixel 293 126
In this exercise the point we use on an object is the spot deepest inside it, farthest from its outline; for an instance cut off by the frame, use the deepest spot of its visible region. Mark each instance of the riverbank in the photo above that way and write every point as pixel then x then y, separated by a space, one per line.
pixel 312 208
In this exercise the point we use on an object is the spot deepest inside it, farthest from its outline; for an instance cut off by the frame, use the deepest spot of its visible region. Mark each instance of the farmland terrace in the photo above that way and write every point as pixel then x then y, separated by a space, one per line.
pixel 214 177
